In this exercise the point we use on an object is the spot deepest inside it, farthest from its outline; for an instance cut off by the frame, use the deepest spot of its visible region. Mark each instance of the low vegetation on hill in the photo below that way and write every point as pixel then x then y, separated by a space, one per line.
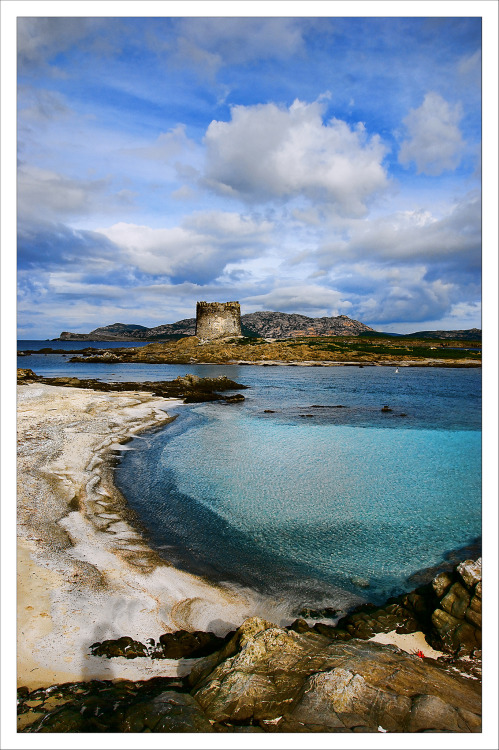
pixel 324 349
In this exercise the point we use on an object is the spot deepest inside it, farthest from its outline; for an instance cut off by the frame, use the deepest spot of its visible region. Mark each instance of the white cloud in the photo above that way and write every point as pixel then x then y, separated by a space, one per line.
pixel 435 143
pixel 307 299
pixel 267 152
pixel 209 43
pixel 198 249
pixel 414 236
pixel 47 194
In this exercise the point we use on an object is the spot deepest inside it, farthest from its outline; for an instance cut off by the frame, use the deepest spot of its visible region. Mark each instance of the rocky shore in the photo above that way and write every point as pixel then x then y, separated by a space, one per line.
pixel 372 672
pixel 112 639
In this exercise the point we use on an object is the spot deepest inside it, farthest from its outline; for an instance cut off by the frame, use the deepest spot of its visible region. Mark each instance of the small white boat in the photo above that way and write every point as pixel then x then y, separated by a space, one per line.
pixel 396 369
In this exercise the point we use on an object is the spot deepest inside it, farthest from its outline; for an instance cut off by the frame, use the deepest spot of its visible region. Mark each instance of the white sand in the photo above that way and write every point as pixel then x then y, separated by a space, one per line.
pixel 84 573
pixel 409 642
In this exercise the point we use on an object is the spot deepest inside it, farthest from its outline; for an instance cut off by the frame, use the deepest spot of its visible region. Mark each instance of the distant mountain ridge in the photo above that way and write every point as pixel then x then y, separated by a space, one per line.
pixel 266 324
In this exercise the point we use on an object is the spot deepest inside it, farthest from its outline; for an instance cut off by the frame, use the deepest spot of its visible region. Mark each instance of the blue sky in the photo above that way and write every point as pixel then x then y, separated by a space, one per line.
pixel 322 166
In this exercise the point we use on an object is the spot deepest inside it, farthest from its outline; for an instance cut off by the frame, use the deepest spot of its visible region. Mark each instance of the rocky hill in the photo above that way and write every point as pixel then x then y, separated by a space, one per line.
pixel 266 324
pixel 471 334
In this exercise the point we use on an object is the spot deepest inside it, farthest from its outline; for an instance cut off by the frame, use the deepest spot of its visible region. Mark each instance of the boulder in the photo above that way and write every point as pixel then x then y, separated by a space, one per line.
pixel 471 572
pixel 182 644
pixel 441 583
pixel 456 601
pixel 286 679
pixel 124 646
pixel 455 634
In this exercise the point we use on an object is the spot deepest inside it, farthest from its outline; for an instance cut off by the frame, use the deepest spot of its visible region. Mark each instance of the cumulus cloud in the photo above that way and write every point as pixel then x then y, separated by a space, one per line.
pixel 268 152
pixel 435 143
pixel 197 250
pixel 414 236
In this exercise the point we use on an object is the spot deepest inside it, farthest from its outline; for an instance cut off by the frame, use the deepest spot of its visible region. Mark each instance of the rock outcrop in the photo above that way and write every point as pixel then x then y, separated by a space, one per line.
pixel 302 682
pixel 302 678
pixel 457 621
pixel 190 388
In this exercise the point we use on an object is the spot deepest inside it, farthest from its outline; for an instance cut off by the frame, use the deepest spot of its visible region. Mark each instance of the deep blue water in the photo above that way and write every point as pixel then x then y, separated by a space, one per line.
pixel 32 344
pixel 308 486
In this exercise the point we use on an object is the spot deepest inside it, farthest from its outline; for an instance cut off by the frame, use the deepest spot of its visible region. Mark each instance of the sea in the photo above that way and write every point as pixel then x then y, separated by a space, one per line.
pixel 327 486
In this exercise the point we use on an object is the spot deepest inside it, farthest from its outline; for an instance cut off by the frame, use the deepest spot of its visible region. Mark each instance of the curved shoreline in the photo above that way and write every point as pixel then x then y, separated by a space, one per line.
pixel 84 572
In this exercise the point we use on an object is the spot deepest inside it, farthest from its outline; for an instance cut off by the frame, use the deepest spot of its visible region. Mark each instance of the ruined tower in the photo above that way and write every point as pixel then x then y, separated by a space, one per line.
pixel 217 320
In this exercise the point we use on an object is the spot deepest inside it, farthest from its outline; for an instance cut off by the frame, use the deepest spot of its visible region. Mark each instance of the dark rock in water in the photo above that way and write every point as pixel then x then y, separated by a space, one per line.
pixel 178 645
pixel 316 614
pixel 235 399
pixel 191 388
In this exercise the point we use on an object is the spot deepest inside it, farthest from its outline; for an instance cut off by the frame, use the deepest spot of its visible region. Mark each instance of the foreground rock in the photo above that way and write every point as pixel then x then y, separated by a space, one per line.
pixel 302 678
pixel 302 682
pixel 270 679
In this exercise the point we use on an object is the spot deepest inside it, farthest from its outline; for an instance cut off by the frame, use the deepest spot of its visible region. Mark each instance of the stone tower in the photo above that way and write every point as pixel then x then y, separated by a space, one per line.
pixel 217 320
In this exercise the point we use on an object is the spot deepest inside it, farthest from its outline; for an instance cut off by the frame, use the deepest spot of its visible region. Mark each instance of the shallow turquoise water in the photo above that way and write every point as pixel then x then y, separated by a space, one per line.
pixel 293 502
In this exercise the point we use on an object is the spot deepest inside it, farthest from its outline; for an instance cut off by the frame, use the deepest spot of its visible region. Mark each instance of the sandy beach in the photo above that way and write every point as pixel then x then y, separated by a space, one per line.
pixel 85 574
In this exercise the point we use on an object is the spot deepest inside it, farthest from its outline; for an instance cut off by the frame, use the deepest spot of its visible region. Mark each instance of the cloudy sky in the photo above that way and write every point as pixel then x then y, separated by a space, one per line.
pixel 322 166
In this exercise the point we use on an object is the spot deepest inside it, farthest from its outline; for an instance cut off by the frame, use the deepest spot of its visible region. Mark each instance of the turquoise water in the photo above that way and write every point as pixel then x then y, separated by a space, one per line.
pixel 307 486
pixel 309 500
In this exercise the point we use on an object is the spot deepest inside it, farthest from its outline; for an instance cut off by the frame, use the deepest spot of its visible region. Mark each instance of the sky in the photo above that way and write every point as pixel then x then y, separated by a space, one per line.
pixel 315 165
